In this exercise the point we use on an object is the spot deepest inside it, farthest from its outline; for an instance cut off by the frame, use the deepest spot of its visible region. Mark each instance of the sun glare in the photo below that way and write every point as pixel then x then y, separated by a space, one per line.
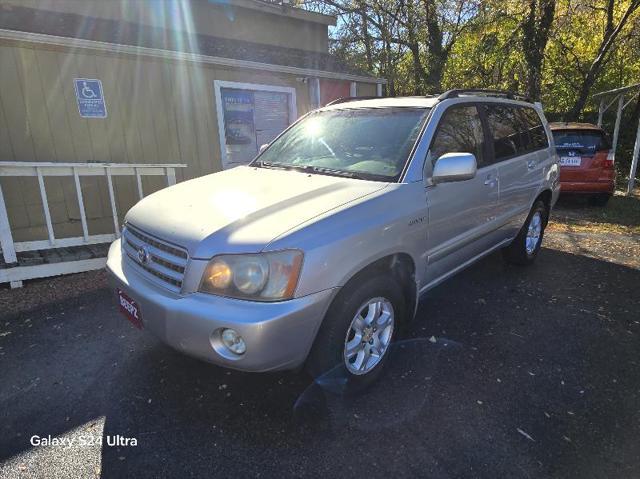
pixel 313 127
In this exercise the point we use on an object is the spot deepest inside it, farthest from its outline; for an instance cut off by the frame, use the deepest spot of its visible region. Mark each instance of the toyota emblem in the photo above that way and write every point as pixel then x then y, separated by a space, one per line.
pixel 143 255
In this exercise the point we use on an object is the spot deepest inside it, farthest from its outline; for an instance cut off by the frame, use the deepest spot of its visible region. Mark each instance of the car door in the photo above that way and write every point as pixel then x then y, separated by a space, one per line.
pixel 460 213
pixel 538 151
pixel 516 154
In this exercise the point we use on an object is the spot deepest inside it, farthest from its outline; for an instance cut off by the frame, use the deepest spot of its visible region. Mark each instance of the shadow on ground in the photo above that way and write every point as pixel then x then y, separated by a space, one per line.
pixel 539 378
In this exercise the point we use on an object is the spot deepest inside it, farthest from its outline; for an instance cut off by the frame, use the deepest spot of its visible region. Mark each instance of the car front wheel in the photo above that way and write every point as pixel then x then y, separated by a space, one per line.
pixel 369 336
pixel 359 328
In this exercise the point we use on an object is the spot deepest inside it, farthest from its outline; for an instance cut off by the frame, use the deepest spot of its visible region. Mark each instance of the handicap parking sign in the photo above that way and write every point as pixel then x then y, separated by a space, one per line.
pixel 90 98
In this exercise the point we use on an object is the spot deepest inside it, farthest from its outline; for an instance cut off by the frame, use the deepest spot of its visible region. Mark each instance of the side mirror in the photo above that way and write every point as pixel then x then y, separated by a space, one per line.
pixel 454 167
pixel 263 147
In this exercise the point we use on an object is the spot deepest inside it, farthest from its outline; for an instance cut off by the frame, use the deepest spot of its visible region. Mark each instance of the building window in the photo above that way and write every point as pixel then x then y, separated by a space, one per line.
pixel 249 116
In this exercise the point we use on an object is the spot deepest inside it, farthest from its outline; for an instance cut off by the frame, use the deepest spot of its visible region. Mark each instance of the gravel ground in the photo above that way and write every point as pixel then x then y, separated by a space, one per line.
pixel 43 292
pixel 506 372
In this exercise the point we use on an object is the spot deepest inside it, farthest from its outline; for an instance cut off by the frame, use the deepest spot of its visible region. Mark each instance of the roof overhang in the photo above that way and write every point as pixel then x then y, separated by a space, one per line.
pixel 78 43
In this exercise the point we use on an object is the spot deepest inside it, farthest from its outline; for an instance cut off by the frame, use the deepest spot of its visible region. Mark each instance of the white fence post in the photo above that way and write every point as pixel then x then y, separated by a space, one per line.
pixel 634 163
pixel 45 206
pixel 83 215
pixel 6 239
pixel 616 128
pixel 171 176
pixel 139 183
pixel 112 199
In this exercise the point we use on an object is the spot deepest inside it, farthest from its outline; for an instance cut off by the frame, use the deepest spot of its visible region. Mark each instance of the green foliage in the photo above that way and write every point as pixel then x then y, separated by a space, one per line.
pixel 487 56
pixel 482 46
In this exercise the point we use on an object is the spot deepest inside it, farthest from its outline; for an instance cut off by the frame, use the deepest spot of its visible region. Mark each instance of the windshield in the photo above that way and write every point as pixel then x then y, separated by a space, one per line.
pixel 589 140
pixel 372 143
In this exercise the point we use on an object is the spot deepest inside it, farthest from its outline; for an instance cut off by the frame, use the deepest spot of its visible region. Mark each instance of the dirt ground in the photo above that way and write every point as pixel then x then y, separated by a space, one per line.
pixel 611 233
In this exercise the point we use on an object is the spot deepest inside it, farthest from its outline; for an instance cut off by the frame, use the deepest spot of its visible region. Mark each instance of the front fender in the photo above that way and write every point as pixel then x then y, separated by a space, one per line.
pixel 343 243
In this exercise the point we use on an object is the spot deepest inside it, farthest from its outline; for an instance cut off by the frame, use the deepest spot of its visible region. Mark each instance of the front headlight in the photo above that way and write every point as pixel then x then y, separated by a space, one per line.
pixel 263 277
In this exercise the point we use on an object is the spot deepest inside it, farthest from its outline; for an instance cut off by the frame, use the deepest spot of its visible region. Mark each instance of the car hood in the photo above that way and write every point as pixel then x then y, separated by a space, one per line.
pixel 242 209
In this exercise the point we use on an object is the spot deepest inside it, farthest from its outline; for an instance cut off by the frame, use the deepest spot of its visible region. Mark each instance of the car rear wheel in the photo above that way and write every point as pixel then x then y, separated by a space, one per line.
pixel 524 249
pixel 359 328
pixel 599 199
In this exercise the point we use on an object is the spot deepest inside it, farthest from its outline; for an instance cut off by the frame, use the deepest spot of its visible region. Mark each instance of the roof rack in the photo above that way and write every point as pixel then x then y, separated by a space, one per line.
pixel 347 99
pixel 481 92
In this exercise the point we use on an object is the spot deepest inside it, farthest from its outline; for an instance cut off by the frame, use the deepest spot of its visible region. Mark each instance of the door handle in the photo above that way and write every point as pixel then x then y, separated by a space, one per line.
pixel 531 164
pixel 490 181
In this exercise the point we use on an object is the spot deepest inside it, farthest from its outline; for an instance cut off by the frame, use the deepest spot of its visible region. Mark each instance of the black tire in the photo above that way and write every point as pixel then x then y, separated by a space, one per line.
pixel 600 199
pixel 327 352
pixel 516 252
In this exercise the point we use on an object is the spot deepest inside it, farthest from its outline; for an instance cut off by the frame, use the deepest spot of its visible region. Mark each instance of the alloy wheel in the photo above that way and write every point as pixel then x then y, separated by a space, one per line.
pixel 533 233
pixel 369 336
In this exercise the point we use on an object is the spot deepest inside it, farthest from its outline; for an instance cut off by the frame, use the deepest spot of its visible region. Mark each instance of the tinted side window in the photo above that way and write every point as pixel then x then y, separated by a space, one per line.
pixel 505 128
pixel 537 134
pixel 459 131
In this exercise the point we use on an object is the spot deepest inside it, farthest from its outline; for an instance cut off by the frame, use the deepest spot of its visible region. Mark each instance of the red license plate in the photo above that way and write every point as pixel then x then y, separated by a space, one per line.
pixel 130 309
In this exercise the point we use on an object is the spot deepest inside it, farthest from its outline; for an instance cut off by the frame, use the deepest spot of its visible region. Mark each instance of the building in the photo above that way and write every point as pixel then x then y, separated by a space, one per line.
pixel 195 82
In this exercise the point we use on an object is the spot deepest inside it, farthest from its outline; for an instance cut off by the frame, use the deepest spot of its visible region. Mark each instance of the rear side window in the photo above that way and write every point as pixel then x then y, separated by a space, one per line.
pixel 515 130
pixel 537 135
pixel 459 131
pixel 583 140
pixel 506 129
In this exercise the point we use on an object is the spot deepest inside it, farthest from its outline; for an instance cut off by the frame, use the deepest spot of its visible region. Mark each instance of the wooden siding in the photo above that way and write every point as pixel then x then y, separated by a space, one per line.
pixel 159 111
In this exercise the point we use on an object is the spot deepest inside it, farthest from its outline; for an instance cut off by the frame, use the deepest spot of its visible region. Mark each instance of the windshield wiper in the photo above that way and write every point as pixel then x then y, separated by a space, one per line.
pixel 358 175
pixel 283 166
pixel 323 170
pixel 268 164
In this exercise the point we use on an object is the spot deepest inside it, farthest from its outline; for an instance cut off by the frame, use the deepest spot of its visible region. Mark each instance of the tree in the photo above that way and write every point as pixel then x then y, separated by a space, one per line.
pixel 421 32
pixel 556 51
pixel 536 27
pixel 612 31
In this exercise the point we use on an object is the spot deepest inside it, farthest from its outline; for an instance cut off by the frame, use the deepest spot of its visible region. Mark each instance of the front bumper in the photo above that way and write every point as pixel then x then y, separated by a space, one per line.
pixel 277 335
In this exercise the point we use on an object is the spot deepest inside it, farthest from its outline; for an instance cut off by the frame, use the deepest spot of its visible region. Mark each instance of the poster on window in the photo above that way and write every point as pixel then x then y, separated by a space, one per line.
pixel 239 126
pixel 251 119
pixel 271 115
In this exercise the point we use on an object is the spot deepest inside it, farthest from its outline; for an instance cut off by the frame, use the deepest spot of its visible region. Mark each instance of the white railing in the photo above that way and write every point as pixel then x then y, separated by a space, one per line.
pixel 16 274
pixel 628 93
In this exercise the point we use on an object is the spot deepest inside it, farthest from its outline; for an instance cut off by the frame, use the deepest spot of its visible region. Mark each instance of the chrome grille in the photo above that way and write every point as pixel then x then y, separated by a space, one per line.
pixel 163 261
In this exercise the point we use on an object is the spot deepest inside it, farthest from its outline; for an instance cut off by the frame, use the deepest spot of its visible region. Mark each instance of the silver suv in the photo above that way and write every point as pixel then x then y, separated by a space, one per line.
pixel 318 251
